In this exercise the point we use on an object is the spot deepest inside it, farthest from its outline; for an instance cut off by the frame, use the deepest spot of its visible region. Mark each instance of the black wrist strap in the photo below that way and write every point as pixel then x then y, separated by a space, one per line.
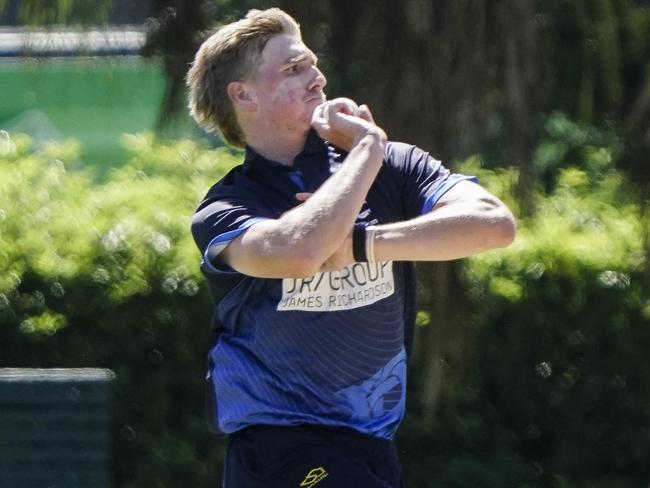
pixel 359 243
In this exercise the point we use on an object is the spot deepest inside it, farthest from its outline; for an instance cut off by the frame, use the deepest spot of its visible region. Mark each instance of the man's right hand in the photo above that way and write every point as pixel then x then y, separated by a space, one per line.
pixel 343 123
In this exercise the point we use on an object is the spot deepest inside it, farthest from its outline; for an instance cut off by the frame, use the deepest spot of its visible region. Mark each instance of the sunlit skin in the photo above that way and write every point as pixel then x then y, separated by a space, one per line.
pixel 288 84
pixel 274 106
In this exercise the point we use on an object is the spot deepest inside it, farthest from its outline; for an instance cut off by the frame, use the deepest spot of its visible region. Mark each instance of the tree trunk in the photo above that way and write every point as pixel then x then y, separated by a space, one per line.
pixel 174 35
pixel 443 352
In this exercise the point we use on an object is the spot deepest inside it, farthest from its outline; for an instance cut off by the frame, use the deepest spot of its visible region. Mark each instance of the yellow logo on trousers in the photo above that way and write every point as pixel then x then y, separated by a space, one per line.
pixel 313 477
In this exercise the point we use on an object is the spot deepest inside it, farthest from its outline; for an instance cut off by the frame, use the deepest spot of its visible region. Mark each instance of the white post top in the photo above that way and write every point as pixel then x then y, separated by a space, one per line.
pixel 56 374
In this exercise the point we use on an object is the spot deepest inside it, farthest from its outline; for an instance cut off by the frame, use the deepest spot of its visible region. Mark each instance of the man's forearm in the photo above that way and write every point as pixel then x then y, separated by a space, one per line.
pixel 303 238
pixel 323 221
pixel 450 232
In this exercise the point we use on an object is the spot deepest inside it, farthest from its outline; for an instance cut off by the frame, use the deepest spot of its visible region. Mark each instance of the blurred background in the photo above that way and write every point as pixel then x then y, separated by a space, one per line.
pixel 530 364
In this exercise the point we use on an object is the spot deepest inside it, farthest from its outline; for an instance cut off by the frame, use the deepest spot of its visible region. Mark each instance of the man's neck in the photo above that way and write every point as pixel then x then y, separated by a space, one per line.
pixel 278 147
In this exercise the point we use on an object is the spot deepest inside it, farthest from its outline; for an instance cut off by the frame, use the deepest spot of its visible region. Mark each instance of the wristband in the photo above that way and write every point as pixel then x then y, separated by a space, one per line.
pixel 370 243
pixel 359 242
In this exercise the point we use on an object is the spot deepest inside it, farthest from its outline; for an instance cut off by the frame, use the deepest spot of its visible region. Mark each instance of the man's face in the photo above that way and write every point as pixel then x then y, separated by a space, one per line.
pixel 288 85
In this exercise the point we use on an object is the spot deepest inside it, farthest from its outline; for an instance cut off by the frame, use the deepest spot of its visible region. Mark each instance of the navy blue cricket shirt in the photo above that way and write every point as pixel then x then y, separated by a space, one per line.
pixel 329 349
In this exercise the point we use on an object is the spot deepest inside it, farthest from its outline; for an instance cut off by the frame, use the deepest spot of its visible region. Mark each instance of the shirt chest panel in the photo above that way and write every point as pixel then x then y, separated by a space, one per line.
pixel 278 189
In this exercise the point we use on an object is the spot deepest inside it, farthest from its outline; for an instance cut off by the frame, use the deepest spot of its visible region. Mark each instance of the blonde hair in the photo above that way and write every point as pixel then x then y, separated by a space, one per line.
pixel 231 54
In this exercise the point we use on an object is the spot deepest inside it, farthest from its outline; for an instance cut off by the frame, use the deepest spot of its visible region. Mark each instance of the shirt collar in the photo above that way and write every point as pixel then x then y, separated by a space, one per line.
pixel 314 146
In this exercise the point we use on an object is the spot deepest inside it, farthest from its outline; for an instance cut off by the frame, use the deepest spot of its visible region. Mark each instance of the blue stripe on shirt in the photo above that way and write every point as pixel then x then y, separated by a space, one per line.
pixel 219 243
pixel 431 201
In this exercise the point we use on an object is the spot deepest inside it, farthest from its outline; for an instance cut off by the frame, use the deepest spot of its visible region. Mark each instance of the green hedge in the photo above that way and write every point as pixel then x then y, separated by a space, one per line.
pixel 106 275
pixel 558 389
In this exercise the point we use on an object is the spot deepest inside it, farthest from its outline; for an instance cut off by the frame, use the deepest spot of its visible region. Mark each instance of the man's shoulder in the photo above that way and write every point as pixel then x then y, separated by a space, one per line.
pixel 229 199
pixel 397 147
pixel 401 155
pixel 231 185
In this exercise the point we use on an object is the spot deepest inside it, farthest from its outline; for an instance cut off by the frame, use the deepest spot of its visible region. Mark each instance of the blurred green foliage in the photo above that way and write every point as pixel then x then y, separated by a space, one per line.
pixel 566 143
pixel 49 12
pixel 557 389
pixel 106 275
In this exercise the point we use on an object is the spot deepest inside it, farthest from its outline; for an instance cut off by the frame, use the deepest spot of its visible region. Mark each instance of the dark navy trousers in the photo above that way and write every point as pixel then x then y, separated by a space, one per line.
pixel 308 456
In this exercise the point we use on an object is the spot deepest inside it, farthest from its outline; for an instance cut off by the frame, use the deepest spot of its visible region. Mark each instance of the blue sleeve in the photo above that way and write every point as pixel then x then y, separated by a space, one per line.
pixel 422 178
pixel 220 220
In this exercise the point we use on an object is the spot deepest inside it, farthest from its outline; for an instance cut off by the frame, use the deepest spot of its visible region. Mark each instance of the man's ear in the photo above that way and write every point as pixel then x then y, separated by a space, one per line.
pixel 241 95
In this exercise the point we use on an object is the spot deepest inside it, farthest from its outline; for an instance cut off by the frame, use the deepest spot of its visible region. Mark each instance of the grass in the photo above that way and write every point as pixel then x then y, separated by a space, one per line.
pixel 93 100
